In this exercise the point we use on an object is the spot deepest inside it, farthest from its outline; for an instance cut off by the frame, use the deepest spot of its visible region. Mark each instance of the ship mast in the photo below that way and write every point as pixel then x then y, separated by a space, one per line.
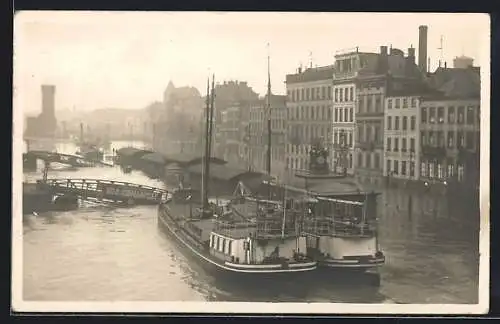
pixel 269 134
pixel 206 160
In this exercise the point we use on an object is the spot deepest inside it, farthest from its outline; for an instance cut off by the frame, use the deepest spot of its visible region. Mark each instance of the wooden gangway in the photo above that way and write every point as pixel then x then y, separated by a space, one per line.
pixel 73 160
pixel 106 190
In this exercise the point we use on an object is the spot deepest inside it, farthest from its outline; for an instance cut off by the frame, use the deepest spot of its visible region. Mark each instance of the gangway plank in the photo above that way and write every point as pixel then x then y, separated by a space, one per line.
pixel 107 190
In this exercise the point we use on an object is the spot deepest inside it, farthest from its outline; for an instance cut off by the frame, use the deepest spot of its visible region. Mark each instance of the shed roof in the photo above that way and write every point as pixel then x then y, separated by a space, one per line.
pixel 226 172
pixel 185 159
pixel 328 186
pixel 154 157
pixel 128 151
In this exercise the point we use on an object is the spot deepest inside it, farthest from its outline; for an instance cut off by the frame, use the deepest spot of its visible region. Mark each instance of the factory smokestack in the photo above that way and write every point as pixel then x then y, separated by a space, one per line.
pixel 422 48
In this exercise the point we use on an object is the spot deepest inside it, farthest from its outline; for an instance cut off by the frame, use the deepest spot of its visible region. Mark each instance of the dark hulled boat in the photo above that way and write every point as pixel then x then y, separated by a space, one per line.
pixel 228 242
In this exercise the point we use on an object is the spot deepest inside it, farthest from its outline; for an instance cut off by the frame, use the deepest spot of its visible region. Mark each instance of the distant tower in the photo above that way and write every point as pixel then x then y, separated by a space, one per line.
pixel 422 48
pixel 48 100
pixel 463 62
pixel 47 118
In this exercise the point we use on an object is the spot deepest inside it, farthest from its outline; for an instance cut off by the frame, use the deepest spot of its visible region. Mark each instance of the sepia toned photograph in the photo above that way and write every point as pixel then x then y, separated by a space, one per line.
pixel 257 162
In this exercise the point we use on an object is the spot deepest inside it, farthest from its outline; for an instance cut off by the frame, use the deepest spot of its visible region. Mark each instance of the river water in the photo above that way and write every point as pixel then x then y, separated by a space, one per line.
pixel 99 253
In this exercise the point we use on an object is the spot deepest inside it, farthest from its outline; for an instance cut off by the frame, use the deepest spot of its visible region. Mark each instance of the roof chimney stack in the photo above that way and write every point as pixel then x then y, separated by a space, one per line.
pixel 422 48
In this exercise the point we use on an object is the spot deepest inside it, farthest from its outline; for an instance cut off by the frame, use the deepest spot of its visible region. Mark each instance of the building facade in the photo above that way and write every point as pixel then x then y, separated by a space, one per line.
pixel 391 72
pixel 257 135
pixel 402 147
pixel 345 98
pixel 434 136
pixel 233 100
pixel 309 113
pixel 177 127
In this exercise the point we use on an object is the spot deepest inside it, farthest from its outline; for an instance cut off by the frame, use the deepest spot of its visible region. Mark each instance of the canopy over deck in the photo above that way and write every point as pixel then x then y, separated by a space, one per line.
pixel 332 186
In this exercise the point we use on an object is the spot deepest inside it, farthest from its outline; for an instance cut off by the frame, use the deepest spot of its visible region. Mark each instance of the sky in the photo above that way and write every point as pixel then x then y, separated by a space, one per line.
pixel 126 59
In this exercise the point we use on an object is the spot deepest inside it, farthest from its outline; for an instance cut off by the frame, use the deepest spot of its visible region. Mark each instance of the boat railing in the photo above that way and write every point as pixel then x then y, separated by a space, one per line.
pixel 328 226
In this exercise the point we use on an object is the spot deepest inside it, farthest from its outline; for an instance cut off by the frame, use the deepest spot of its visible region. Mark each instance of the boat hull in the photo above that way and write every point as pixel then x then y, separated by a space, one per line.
pixel 360 263
pixel 227 270
pixel 349 253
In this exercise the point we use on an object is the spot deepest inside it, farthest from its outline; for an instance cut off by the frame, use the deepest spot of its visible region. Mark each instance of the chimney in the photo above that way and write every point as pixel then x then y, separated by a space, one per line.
pixel 383 61
pixel 411 54
pixel 422 48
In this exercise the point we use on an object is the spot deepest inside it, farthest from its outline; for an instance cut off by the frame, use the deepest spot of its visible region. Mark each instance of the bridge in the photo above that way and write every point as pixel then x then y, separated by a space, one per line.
pixel 73 160
pixel 105 191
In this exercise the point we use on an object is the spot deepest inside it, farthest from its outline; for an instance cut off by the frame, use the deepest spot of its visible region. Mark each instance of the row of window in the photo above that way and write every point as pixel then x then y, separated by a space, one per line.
pixel 221 244
pixel 310 113
pixel 401 103
pixel 393 144
pixel 368 133
pixel 261 114
pixel 433 115
pixel 368 160
pixel 258 126
pixel 407 168
pixel 370 104
pixel 344 115
pixel 310 94
pixel 344 94
pixel 434 170
pixel 450 139
pixel 404 123
pixel 341 137
pixel 303 134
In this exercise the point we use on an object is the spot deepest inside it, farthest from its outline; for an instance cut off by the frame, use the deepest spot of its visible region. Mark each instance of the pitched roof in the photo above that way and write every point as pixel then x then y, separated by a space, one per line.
pixel 312 74
pixel 456 83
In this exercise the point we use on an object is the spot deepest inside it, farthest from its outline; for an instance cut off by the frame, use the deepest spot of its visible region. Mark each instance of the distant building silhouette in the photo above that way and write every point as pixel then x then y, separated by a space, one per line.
pixel 45 124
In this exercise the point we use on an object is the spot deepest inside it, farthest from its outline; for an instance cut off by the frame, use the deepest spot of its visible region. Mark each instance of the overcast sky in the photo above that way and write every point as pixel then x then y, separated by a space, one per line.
pixel 126 60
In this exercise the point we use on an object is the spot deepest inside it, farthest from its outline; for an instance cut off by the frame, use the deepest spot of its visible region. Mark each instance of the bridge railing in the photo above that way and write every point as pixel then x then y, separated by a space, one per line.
pixel 107 188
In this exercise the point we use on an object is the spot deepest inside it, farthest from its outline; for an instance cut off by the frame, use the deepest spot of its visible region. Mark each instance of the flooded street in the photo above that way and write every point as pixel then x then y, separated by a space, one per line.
pixel 109 254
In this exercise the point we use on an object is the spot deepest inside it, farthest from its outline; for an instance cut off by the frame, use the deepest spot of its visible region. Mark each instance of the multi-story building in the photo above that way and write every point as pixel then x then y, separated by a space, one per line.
pixel 233 100
pixel 257 135
pixel 432 133
pixel 309 111
pixel 348 65
pixel 391 71
pixel 177 128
